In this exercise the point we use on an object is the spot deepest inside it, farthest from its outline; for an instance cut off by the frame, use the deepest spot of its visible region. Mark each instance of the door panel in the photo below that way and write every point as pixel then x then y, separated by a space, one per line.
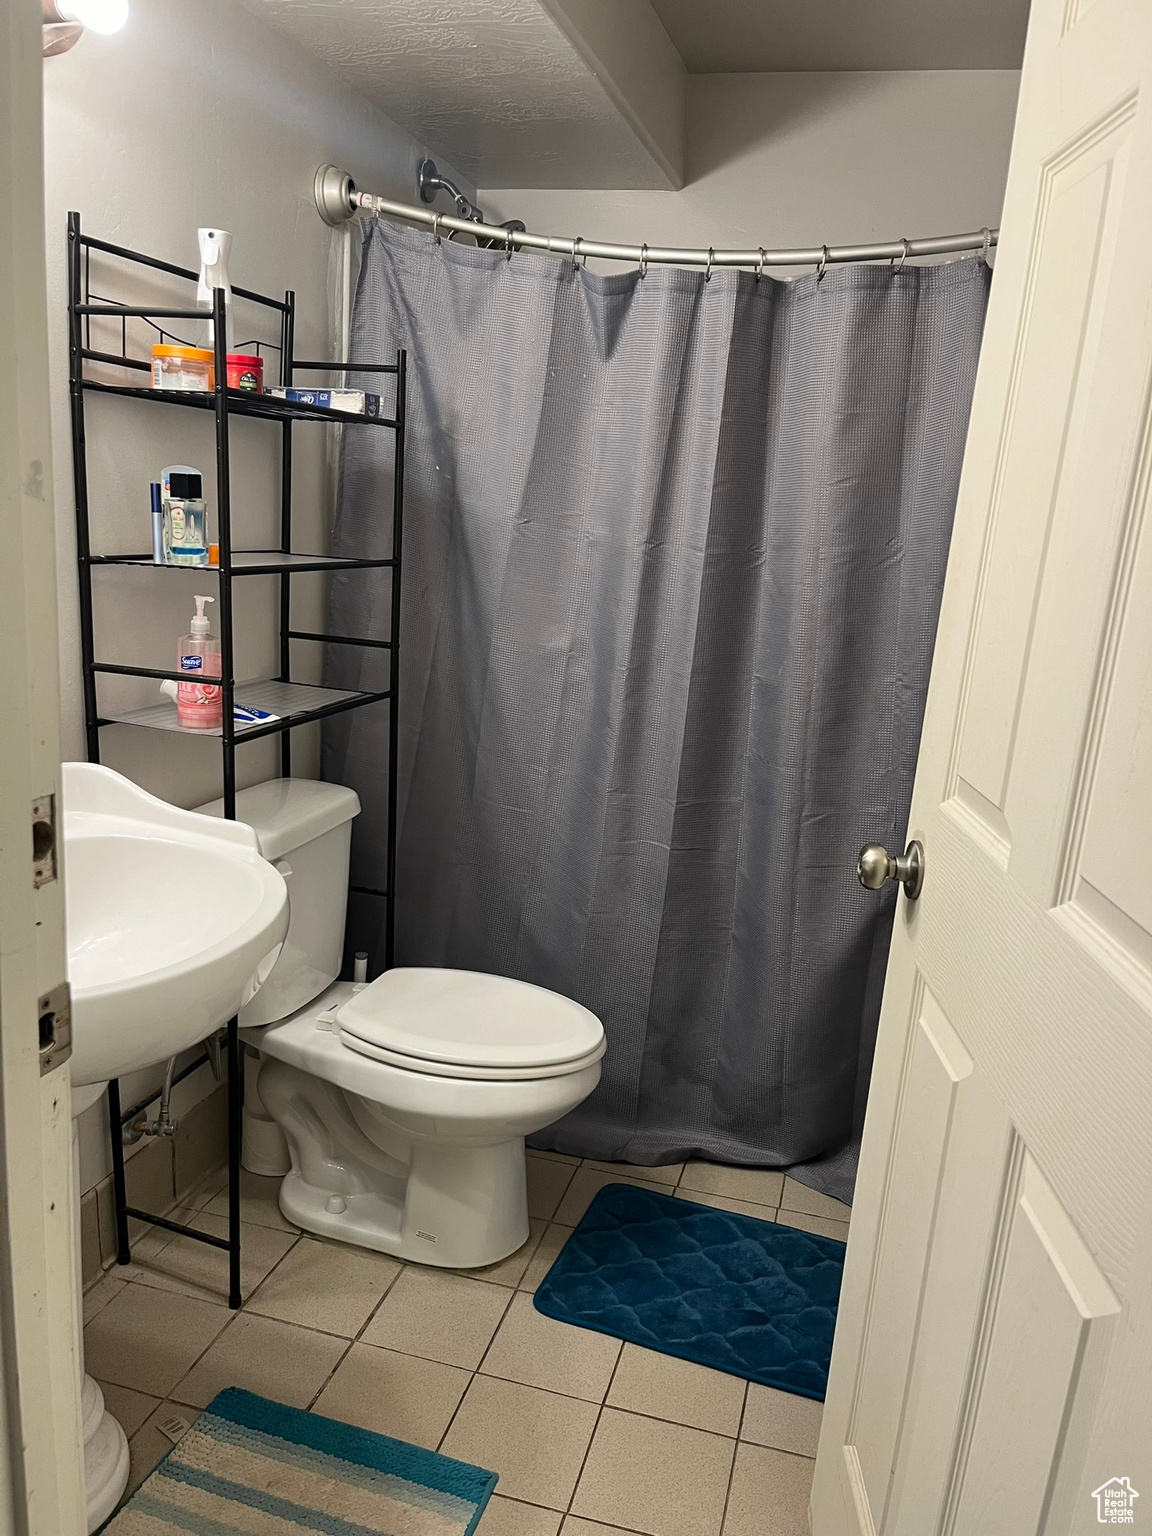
pixel 1073 242
pixel 996 1290
pixel 978 1178
pixel 1051 1313
pixel 937 1072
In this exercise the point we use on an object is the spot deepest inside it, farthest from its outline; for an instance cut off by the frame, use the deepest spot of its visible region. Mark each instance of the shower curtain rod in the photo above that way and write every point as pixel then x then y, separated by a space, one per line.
pixel 338 200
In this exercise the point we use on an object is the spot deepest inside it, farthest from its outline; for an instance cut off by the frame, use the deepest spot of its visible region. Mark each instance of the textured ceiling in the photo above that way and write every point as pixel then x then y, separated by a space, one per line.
pixel 493 85
pixel 732 36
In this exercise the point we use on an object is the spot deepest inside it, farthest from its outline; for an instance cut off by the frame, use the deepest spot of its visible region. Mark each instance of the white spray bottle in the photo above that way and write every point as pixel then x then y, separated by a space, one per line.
pixel 215 248
pixel 198 702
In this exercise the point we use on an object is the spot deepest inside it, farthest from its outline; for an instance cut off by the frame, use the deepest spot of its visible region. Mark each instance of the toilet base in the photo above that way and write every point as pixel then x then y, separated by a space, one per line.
pixel 434 1229
pixel 422 1166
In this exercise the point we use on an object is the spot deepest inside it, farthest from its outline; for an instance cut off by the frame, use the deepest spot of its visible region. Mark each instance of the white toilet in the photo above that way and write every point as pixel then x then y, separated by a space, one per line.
pixel 404 1103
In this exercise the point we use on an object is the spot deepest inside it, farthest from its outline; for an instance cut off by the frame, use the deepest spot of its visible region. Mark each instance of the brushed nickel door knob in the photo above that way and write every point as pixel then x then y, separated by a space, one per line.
pixel 876 865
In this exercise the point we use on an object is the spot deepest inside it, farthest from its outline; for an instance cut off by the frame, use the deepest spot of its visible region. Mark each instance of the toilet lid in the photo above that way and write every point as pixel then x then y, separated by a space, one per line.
pixel 441 1019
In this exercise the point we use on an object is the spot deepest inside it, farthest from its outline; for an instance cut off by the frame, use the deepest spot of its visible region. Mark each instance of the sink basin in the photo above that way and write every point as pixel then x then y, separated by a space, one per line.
pixel 173 920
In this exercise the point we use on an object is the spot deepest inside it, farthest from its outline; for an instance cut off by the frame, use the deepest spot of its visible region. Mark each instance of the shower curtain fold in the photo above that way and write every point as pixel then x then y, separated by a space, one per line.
pixel 673 558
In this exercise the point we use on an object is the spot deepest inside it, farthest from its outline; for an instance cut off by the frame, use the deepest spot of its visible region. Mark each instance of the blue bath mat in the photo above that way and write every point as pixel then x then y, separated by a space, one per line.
pixel 749 1297
pixel 248 1465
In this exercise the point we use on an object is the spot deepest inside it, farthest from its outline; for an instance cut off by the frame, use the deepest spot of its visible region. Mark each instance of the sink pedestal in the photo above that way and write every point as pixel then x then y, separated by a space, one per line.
pixel 105 1456
pixel 105 1443
pixel 173 922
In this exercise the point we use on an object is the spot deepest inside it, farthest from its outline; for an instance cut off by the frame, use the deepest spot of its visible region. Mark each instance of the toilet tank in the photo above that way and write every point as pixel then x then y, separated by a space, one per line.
pixel 305 829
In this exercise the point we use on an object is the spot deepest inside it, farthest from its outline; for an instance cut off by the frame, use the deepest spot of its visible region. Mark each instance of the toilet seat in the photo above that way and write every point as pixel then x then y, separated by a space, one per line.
pixel 469 1025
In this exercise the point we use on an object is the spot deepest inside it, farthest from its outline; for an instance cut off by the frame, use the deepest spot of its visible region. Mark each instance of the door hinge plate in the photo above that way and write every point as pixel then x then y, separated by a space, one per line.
pixel 55 1014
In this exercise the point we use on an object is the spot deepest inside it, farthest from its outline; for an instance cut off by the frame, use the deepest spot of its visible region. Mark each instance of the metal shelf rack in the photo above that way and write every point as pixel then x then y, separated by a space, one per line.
pixel 294 703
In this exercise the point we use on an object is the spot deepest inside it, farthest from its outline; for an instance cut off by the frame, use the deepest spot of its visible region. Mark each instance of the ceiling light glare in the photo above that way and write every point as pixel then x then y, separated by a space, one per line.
pixel 97 15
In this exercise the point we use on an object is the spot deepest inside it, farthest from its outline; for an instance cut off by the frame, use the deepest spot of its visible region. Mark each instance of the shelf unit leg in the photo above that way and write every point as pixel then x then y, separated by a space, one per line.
pixel 119 1188
pixel 235 1146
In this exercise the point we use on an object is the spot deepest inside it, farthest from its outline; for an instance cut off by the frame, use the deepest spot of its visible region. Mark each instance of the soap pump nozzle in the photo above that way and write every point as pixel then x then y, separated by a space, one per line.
pixel 200 625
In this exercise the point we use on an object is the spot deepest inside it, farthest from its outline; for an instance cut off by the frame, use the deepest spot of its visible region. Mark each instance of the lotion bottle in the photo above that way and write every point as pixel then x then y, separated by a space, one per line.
pixel 198 702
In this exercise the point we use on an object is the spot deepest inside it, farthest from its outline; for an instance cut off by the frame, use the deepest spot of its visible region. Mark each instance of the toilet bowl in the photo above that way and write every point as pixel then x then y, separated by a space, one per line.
pixel 396 1109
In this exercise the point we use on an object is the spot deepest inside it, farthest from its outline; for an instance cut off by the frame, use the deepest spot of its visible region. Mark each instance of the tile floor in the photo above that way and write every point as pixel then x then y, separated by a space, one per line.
pixel 590 1437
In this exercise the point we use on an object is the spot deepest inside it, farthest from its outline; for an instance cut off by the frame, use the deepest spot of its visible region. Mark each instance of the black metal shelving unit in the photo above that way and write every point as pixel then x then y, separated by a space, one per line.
pixel 294 703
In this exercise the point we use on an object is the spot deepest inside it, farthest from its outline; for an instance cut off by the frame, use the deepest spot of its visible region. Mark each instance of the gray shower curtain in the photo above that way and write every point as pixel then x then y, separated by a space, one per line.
pixel 672 563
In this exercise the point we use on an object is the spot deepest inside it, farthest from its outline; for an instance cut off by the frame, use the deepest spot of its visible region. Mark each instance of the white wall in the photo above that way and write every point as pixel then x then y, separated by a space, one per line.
pixel 810 159
pixel 196 114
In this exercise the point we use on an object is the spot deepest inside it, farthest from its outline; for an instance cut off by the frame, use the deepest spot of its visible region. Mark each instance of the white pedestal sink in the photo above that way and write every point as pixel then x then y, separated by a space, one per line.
pixel 173 921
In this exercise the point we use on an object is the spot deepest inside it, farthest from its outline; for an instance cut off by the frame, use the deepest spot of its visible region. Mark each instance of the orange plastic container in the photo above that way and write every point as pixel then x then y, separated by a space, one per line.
pixel 189 368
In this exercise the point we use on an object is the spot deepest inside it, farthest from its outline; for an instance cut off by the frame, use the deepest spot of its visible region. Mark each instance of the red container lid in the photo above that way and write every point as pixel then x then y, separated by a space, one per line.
pixel 246 359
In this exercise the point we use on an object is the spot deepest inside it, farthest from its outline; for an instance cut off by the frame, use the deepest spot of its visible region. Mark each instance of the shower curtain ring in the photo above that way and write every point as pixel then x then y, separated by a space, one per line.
pixel 760 264
pixel 436 218
pixel 578 257
pixel 822 263
pixel 898 266
pixel 708 268
pixel 507 245
pixel 987 245
pixel 643 261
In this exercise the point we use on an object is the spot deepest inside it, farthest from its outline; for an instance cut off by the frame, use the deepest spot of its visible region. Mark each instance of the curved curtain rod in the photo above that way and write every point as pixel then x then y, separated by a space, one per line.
pixel 338 200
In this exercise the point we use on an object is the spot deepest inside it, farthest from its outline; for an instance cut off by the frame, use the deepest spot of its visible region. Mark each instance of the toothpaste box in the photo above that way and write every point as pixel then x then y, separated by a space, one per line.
pixel 352 401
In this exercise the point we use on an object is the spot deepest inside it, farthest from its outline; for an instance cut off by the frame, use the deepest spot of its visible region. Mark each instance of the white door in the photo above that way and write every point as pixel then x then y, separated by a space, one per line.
pixel 992 1370
pixel 41 1459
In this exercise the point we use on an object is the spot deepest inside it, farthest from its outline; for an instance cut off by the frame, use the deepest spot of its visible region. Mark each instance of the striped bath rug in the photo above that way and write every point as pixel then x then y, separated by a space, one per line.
pixel 250 1467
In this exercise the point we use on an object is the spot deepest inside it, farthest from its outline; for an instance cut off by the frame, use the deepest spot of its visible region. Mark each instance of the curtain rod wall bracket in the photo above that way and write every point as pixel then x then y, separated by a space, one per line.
pixel 335 194
pixel 338 201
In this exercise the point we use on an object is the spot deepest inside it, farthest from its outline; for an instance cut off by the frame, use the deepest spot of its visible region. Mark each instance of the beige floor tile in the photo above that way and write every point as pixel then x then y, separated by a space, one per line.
pixel 575 1526
pixel 769 1494
pixel 541 1352
pixel 510 1271
pixel 128 1408
pixel 439 1316
pixel 534 1440
pixel 508 1517
pixel 727 1203
pixel 818 1224
pixel 148 1339
pixel 667 1173
pixel 585 1182
pixel 150 1443
pixel 646 1475
pixel 547 1181
pixel 148 1242
pixel 543 1259
pixel 259 1202
pixel 782 1420
pixel 97 1296
pixel 276 1360
pixel 211 1184
pixel 195 1269
pixel 760 1185
pixel 667 1388
pixel 557 1157
pixel 393 1394
pixel 329 1286
pixel 798 1197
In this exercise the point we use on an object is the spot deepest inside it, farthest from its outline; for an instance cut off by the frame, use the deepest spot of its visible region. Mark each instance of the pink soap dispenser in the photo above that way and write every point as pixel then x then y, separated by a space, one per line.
pixel 198 701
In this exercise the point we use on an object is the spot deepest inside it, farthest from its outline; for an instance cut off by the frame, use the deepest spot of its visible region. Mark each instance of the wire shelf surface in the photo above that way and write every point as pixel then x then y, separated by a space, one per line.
pixel 241 402
pixel 254 562
pixel 294 703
